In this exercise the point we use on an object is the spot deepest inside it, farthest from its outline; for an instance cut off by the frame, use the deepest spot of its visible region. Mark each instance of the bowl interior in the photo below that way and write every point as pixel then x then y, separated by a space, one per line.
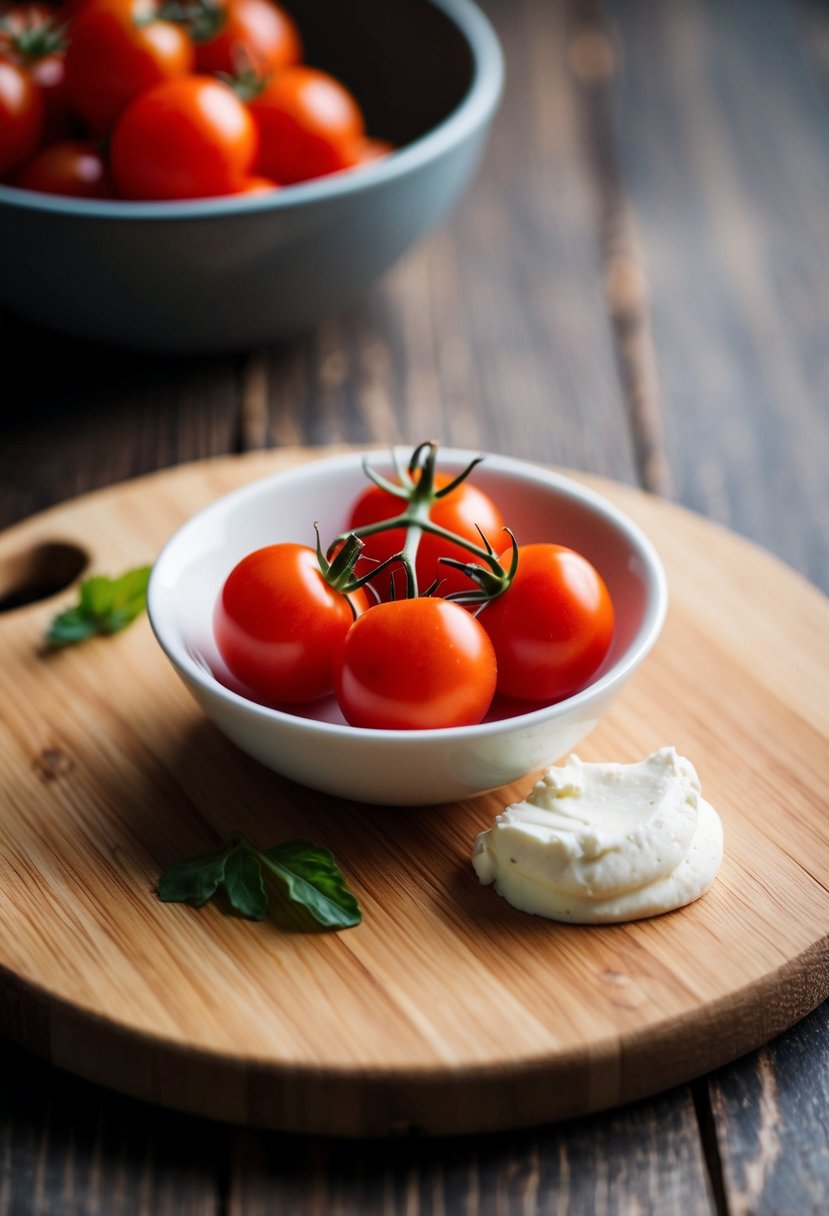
pixel 407 62
pixel 537 505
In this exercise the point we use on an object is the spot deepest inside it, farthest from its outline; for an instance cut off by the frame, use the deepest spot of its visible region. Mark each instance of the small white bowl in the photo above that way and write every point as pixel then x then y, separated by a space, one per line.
pixel 314 745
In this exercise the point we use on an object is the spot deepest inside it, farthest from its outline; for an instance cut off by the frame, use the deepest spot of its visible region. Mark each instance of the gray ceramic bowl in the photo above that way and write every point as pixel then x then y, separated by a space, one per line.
pixel 221 274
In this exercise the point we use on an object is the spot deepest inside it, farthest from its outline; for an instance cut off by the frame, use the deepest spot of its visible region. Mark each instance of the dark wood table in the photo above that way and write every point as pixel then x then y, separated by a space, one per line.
pixel 636 286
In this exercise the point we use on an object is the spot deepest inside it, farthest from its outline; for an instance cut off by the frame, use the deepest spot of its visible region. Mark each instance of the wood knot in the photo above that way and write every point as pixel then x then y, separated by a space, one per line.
pixel 52 763
pixel 592 57
pixel 624 991
pixel 615 977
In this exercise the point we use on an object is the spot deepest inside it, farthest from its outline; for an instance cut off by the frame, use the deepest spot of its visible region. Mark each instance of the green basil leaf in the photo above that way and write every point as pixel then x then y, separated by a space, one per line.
pixel 129 594
pixel 105 605
pixel 243 884
pixel 70 627
pixel 312 879
pixel 193 881
pixel 311 890
pixel 97 596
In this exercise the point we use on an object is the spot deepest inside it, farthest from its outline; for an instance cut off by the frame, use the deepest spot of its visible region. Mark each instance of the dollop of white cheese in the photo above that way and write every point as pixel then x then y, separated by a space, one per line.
pixel 602 843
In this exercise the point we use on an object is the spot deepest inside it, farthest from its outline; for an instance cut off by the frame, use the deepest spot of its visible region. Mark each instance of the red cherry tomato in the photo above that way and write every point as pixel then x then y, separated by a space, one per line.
pixel 33 37
pixel 21 116
pixel 414 665
pixel 309 125
pixel 552 628
pixel 280 627
pixel 255 34
pixel 118 49
pixel 459 512
pixel 188 138
pixel 70 167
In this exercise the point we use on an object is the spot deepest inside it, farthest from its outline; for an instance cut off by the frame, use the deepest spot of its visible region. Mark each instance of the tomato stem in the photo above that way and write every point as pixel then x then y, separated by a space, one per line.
pixel 491 582
pixel 37 39
pixel 453 485
pixel 383 484
pixel 339 572
pixel 202 19
pixel 416 488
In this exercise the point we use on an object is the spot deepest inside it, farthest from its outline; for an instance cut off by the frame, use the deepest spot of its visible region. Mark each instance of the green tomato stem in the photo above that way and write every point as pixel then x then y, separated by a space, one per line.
pixel 416 488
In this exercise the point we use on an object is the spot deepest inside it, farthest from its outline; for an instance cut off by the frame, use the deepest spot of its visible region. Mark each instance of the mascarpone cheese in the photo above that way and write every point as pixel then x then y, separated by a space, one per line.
pixel 598 843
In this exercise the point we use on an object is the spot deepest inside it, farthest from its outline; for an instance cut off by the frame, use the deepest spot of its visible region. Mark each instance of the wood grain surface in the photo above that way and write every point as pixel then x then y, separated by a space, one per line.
pixel 691 138
pixel 447 1011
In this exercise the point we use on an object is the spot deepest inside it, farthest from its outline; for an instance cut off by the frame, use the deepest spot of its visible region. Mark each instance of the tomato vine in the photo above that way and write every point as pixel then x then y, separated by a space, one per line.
pixel 417 488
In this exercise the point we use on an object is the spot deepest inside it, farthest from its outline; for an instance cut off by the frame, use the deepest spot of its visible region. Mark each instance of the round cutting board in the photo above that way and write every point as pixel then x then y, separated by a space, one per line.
pixel 446 1010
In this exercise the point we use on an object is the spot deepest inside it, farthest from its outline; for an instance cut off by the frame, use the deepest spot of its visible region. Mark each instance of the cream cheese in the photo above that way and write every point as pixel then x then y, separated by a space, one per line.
pixel 598 843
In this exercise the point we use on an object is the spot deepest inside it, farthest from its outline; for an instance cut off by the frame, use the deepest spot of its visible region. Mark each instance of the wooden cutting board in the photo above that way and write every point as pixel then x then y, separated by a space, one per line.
pixel 446 1010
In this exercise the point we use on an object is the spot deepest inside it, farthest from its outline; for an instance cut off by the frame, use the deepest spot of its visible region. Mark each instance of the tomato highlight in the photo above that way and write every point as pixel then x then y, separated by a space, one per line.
pixel 22 115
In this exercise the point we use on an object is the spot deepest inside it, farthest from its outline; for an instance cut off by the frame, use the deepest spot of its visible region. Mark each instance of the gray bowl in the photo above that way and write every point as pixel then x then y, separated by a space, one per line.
pixel 221 274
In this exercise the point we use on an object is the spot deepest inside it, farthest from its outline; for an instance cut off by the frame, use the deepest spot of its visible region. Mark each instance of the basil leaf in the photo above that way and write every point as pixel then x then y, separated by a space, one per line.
pixel 105 605
pixel 70 627
pixel 97 596
pixel 243 884
pixel 129 598
pixel 312 878
pixel 312 891
pixel 193 881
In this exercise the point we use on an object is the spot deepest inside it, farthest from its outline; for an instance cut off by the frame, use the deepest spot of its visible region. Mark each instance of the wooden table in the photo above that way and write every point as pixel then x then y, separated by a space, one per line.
pixel 637 286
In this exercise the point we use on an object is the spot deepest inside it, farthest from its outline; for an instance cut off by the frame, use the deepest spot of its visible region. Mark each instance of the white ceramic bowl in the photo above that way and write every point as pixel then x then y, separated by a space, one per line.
pixel 315 746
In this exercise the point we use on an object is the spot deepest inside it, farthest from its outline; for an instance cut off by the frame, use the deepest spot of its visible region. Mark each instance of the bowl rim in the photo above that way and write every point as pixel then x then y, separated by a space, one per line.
pixel 655 582
pixel 473 111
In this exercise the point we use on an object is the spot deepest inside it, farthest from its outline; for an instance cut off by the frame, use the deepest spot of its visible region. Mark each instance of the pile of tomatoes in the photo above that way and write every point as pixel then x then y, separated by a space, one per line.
pixel 412 619
pixel 167 99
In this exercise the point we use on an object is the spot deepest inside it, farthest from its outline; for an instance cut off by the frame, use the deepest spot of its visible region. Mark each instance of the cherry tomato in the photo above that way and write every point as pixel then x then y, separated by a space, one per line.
pixel 459 512
pixel 414 665
pixel 70 167
pixel 309 126
pixel 553 626
pixel 249 34
pixel 32 37
pixel 118 49
pixel 188 138
pixel 21 116
pixel 280 627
